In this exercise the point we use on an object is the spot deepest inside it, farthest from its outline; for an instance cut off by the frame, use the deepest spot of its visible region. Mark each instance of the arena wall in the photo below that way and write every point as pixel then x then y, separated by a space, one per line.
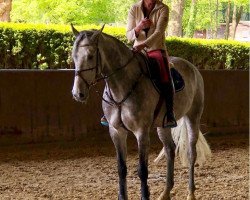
pixel 37 106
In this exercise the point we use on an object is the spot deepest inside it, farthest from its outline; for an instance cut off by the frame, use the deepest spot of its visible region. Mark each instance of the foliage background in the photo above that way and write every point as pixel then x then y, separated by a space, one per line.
pixel 29 44
pixel 32 46
pixel 73 11
pixel 111 12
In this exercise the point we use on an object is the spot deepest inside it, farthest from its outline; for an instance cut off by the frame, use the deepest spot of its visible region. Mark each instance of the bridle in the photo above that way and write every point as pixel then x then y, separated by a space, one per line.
pixel 111 100
pixel 103 76
pixel 79 72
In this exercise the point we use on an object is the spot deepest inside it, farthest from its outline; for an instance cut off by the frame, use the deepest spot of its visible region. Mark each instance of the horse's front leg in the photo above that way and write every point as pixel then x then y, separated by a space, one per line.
pixel 119 139
pixel 143 148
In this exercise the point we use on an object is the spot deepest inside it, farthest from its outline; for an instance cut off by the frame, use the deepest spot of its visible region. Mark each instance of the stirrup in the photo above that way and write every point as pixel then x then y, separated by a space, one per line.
pixel 104 121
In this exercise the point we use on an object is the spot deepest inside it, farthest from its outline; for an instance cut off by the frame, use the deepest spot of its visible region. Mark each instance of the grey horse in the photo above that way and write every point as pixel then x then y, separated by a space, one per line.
pixel 129 102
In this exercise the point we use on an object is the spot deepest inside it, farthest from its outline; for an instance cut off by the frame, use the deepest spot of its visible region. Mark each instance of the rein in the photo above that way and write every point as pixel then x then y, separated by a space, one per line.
pixel 79 72
pixel 116 103
pixel 112 102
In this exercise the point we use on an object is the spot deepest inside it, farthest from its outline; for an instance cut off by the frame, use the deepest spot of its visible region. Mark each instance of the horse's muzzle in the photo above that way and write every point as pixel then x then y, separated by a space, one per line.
pixel 79 97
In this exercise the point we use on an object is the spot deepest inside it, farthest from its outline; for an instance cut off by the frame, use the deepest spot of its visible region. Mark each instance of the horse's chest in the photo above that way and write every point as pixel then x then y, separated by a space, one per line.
pixel 134 115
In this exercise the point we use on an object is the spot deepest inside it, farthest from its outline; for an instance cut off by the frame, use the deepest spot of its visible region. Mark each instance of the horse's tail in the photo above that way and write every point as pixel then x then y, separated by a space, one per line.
pixel 180 137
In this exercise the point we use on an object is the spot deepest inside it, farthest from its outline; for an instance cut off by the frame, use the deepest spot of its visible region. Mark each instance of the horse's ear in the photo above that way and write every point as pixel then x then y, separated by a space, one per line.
pixel 97 33
pixel 102 28
pixel 75 32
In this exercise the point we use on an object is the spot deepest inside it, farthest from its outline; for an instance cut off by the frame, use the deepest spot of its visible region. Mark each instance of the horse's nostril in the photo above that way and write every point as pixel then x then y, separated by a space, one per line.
pixel 81 95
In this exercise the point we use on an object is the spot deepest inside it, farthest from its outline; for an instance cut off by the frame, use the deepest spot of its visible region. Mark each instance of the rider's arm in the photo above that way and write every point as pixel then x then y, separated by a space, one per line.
pixel 132 32
pixel 160 27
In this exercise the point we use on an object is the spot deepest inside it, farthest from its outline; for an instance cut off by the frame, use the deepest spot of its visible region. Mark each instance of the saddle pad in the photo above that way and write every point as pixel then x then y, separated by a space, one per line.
pixel 179 83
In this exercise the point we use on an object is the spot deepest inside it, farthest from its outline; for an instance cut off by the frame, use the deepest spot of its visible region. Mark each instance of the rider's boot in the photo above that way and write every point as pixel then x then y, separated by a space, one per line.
pixel 169 118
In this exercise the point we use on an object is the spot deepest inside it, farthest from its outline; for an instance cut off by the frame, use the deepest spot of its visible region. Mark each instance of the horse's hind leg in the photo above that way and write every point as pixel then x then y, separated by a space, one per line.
pixel 193 134
pixel 119 139
pixel 166 138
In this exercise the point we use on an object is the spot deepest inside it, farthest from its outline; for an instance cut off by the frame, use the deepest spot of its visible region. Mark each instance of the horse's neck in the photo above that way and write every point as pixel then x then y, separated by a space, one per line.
pixel 114 56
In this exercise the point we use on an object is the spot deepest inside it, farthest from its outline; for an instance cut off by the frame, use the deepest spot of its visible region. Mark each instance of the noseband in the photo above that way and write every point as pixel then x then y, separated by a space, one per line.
pixel 79 72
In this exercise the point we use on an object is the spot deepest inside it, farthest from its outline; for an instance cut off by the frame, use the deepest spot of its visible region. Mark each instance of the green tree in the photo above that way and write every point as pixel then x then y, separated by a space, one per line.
pixel 63 11
pixel 74 11
pixel 192 19
pixel 239 6
pixel 175 19
pixel 228 19
pixel 121 9
pixel 233 16
pixel 186 16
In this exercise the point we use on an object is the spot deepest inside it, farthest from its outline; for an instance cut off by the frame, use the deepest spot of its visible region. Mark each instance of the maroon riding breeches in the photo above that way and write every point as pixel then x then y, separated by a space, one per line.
pixel 161 57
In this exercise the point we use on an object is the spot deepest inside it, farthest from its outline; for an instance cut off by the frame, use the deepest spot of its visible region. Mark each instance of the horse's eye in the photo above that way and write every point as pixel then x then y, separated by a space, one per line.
pixel 90 57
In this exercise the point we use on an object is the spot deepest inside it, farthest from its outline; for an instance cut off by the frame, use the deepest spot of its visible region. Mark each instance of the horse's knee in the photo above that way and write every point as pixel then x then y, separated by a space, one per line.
pixel 164 135
pixel 170 149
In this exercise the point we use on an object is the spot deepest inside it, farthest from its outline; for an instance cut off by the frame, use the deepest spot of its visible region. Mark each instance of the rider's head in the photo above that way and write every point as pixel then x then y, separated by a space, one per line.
pixel 149 4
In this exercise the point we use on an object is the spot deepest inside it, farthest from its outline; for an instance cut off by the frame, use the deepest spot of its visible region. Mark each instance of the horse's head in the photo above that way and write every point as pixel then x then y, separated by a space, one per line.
pixel 86 58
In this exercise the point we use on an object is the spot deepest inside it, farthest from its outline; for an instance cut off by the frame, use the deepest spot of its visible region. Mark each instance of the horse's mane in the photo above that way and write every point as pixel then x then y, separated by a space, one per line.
pixel 116 39
pixel 88 33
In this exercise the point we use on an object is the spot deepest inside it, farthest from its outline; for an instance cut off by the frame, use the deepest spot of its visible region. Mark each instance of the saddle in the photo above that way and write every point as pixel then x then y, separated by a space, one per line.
pixel 154 75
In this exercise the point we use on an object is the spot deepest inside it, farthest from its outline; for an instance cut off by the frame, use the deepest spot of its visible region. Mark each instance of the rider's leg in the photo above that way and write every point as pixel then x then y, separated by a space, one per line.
pixel 169 118
pixel 168 93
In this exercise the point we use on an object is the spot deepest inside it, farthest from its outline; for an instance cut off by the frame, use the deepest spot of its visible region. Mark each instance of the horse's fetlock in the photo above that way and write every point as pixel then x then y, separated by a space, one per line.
pixel 122 197
pixel 145 192
pixel 170 185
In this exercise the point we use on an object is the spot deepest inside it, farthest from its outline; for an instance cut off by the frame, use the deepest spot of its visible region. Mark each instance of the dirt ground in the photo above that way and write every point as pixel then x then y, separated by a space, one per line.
pixel 86 169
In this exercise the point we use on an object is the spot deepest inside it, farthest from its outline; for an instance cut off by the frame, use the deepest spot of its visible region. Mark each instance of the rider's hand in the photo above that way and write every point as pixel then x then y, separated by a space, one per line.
pixel 139 47
pixel 145 23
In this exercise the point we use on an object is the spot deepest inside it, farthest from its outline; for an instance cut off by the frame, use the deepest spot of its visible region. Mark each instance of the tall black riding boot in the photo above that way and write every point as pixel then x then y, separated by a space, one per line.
pixel 169 118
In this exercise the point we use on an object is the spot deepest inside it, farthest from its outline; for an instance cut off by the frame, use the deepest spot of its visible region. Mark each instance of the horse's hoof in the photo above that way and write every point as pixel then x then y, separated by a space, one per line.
pixel 191 197
pixel 164 196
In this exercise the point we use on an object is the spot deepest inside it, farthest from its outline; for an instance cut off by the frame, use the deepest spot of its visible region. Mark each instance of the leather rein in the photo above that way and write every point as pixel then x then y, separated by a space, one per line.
pixel 112 102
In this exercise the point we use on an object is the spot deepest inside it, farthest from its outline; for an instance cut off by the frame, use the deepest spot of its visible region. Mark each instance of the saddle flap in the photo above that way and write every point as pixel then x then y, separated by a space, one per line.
pixel 178 81
pixel 154 74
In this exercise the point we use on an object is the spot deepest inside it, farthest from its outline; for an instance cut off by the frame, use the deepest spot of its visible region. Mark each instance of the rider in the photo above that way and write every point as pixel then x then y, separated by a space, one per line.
pixel 147 21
